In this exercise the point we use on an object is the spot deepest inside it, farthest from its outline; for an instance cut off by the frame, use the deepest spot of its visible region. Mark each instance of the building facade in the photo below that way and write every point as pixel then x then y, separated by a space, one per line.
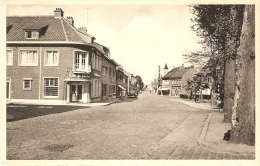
pixel 175 81
pixel 50 60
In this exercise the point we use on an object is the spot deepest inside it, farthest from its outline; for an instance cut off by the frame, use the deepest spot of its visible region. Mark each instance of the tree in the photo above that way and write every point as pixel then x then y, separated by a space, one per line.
pixel 243 115
pixel 139 81
pixel 219 26
pixel 232 29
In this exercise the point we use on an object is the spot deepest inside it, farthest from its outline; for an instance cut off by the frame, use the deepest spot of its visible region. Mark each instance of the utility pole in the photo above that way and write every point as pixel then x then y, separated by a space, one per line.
pixel 87 18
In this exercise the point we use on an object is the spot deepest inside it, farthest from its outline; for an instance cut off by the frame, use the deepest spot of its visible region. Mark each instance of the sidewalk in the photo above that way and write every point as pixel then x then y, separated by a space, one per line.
pixel 101 103
pixel 214 129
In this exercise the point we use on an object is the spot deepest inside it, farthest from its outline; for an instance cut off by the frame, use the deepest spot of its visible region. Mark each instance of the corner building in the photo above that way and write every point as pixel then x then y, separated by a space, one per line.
pixel 49 60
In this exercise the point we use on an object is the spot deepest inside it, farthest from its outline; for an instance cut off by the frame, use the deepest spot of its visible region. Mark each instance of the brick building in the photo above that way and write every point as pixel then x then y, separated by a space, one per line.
pixel 175 81
pixel 49 60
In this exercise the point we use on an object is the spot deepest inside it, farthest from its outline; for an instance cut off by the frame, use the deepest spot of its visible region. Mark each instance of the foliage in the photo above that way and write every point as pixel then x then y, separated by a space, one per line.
pixel 215 25
pixel 139 81
pixel 219 28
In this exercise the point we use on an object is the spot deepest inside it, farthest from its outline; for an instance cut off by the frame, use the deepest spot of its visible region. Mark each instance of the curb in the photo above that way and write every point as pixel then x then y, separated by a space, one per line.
pixel 208 109
pixel 204 131
pixel 111 103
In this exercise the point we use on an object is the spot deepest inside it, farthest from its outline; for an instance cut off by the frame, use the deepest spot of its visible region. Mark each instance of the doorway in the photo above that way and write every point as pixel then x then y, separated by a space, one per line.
pixel 76 93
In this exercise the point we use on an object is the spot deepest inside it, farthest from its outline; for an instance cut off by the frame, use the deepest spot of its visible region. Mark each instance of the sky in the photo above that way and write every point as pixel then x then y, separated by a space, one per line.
pixel 140 37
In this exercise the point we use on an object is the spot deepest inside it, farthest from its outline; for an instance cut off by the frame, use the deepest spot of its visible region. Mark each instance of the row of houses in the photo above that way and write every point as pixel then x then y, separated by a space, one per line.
pixel 50 60
pixel 175 81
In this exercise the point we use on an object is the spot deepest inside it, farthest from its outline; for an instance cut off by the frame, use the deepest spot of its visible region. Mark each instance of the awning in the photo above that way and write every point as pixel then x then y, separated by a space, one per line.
pixel 121 87
pixel 77 80
pixel 164 89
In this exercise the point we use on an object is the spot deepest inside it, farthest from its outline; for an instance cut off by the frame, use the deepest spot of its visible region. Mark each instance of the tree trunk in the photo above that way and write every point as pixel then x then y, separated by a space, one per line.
pixel 243 116
pixel 231 45
pixel 229 89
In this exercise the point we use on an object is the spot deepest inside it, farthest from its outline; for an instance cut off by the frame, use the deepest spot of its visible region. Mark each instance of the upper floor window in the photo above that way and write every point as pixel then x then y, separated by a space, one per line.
pixel 96 62
pixel 28 58
pixel 51 58
pixel 105 70
pixel 9 57
pixel 32 34
pixel 81 61
pixel 110 72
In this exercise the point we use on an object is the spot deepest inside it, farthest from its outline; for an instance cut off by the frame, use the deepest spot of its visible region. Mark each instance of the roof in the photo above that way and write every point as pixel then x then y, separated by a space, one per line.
pixel 179 73
pixel 176 73
pixel 167 76
pixel 53 29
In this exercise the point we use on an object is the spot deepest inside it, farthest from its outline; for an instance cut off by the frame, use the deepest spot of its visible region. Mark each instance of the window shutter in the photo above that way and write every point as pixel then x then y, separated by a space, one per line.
pixel 26 35
pixel 99 88
pixel 99 64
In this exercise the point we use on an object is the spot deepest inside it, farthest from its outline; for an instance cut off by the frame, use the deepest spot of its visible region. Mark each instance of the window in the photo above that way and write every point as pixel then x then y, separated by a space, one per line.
pixel 95 90
pixel 51 87
pixel 9 57
pixel 110 72
pixel 51 58
pixel 27 84
pixel 105 70
pixel 114 89
pixel 28 58
pixel 93 61
pixel 81 62
pixel 97 63
pixel 31 34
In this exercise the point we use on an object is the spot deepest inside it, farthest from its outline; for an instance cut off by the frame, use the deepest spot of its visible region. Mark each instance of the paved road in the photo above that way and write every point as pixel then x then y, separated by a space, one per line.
pixel 151 127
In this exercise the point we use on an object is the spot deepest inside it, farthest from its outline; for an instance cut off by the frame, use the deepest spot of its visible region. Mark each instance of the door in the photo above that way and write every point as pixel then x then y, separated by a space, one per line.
pixel 76 93
pixel 79 92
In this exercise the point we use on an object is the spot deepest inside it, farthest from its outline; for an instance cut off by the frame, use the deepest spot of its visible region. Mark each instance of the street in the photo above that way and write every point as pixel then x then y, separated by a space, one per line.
pixel 150 127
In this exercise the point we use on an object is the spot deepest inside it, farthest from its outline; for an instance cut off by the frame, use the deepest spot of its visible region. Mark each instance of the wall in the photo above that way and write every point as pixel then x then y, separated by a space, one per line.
pixel 38 73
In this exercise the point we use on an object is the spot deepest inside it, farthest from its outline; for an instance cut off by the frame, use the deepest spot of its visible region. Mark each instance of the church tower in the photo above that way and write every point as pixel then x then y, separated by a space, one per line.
pixel 165 69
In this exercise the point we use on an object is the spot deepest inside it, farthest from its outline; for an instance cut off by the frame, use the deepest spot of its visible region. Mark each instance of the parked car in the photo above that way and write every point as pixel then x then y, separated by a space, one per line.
pixel 133 92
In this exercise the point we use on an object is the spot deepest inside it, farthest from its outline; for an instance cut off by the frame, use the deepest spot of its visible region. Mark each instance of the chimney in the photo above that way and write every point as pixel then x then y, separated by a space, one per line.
pixel 70 20
pixel 82 30
pixel 92 39
pixel 58 13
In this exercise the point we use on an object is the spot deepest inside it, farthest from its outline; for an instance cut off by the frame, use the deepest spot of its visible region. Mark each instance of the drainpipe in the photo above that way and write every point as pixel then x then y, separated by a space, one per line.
pixel 40 73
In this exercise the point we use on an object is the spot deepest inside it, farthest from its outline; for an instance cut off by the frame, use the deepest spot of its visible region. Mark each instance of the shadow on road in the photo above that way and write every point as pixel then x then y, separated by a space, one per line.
pixel 15 112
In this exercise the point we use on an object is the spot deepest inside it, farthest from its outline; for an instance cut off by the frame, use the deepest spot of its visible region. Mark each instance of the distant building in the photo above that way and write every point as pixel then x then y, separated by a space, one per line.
pixel 175 81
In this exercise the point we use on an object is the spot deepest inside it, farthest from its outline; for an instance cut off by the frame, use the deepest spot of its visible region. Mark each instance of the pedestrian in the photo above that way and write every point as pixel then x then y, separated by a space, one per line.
pixel 123 94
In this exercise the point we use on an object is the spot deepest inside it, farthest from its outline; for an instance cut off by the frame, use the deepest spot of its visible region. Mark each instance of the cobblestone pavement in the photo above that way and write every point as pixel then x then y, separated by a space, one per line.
pixel 151 127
